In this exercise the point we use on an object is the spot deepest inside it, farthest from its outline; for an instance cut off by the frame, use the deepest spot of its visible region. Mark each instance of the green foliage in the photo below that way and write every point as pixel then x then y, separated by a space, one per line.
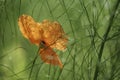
pixel 93 28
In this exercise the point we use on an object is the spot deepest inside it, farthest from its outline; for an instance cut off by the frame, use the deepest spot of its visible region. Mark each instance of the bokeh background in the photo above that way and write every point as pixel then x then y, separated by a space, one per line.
pixel 93 51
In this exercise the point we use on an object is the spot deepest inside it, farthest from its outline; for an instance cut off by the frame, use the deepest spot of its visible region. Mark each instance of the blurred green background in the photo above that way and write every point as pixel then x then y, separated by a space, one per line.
pixel 93 51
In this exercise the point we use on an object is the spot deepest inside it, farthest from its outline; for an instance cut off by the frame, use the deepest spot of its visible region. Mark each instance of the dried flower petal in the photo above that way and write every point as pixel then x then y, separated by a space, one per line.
pixel 60 44
pixel 54 35
pixel 30 29
pixel 50 57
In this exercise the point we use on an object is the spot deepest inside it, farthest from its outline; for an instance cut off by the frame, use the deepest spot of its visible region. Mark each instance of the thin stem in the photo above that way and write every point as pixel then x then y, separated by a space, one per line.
pixel 105 39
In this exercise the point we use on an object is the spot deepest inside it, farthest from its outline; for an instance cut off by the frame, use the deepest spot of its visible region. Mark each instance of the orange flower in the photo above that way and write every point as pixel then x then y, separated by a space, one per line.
pixel 51 33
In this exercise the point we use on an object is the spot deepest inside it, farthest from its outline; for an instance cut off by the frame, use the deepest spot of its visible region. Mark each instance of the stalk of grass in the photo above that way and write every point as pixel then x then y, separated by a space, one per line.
pixel 78 68
pixel 105 38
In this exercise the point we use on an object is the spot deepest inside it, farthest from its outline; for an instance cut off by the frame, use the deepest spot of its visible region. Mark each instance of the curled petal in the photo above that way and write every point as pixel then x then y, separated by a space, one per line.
pixel 54 35
pixel 60 44
pixel 50 57
pixel 30 29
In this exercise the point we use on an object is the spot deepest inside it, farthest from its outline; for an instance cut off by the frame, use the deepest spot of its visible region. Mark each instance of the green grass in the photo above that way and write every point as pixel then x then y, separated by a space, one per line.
pixel 93 51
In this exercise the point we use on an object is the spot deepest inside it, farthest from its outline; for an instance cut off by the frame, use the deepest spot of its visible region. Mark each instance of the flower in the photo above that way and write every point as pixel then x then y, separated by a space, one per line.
pixel 50 34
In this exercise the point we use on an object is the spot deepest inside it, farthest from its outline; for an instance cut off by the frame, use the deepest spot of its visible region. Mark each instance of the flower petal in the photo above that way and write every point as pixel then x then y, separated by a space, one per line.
pixel 53 35
pixel 30 29
pixel 50 57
